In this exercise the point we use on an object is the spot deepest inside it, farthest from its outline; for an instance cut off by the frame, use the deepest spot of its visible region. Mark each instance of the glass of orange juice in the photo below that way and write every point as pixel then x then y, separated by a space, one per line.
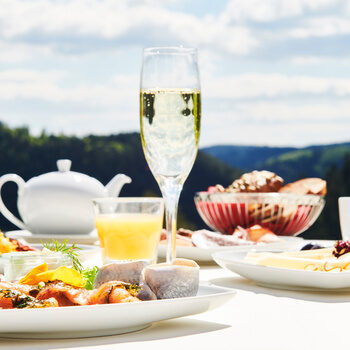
pixel 129 228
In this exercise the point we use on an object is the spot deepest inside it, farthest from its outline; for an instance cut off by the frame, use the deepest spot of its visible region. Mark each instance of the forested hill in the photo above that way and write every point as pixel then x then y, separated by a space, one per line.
pixel 101 157
pixel 290 163
pixel 104 156
pixel 246 157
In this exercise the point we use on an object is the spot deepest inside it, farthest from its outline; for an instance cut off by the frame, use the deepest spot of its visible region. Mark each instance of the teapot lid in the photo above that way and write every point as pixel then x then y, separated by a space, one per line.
pixel 64 179
pixel 63 165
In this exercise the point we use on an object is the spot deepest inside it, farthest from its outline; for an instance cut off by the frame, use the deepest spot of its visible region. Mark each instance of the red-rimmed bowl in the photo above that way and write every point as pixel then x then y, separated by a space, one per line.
pixel 285 214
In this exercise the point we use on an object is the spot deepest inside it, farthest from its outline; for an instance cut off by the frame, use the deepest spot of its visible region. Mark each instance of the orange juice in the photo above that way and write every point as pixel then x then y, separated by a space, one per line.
pixel 129 236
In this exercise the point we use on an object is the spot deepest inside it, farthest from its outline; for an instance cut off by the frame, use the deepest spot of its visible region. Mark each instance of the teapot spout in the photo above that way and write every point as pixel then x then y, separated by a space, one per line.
pixel 115 185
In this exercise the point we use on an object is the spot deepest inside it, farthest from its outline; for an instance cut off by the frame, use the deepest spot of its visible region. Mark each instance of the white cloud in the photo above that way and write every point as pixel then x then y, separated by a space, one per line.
pixel 122 88
pixel 276 123
pixel 321 27
pixel 48 86
pixel 289 112
pixel 270 10
pixel 77 26
pixel 30 76
pixel 58 23
pixel 20 52
pixel 308 60
pixel 253 85
pixel 276 134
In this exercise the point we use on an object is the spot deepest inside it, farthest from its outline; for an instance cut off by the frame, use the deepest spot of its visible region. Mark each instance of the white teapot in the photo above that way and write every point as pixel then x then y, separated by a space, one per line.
pixel 59 202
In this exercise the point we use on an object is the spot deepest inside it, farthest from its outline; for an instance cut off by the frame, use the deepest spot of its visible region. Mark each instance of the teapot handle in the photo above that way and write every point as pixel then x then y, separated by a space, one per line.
pixel 3 209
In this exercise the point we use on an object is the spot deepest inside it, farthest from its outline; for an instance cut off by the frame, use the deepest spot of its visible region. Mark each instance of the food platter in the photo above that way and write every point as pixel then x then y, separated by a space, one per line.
pixel 45 289
pixel 108 319
pixel 282 278
pixel 205 254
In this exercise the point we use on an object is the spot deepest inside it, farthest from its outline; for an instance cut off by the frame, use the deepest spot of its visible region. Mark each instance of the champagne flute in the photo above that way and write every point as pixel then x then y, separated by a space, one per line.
pixel 170 114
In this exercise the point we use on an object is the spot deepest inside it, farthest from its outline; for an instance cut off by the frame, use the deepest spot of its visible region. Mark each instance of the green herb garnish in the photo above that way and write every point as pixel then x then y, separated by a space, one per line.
pixel 89 274
pixel 70 251
pixel 133 289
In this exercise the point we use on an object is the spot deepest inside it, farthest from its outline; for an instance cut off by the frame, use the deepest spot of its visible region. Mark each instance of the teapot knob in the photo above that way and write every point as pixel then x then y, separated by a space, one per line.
pixel 64 165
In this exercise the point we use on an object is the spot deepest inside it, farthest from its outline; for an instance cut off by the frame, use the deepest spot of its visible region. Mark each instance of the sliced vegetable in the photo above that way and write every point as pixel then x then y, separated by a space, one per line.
pixel 42 274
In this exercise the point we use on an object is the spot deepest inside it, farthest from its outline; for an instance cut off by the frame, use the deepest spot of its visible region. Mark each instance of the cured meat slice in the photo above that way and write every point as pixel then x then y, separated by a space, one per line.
pixel 114 292
pixel 14 299
pixel 65 294
pixel 209 239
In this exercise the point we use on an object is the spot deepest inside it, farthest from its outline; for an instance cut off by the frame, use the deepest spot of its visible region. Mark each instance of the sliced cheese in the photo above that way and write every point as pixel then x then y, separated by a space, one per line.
pixel 322 261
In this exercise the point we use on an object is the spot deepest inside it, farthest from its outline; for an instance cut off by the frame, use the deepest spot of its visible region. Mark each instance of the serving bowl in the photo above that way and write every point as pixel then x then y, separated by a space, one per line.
pixel 285 214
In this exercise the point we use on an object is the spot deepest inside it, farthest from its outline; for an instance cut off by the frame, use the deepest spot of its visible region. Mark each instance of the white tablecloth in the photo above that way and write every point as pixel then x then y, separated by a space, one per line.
pixel 257 318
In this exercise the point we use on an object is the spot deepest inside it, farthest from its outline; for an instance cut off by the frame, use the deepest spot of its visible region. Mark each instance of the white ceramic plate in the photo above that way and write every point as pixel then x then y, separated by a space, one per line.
pixel 282 278
pixel 30 238
pixel 108 319
pixel 205 254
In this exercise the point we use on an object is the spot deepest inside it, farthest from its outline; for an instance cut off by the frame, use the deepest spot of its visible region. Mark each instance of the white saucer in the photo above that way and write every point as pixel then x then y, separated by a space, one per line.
pixel 30 237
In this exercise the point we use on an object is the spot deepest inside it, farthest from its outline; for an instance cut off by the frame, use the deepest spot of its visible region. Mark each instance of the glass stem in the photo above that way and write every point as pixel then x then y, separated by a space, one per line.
pixel 171 189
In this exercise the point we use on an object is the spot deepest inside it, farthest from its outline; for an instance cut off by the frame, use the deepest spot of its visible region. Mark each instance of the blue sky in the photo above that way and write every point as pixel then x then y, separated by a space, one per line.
pixel 273 72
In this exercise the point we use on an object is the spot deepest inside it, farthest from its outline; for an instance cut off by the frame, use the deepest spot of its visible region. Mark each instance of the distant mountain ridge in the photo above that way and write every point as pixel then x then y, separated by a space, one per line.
pixel 289 162
pixel 246 157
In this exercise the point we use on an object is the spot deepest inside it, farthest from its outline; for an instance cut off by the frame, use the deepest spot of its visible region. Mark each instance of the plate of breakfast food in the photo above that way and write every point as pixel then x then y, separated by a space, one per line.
pixel 200 245
pixel 313 267
pixel 99 300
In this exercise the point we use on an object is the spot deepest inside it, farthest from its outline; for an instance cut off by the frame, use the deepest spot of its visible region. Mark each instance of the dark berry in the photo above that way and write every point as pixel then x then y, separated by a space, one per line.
pixel 340 248
pixel 311 246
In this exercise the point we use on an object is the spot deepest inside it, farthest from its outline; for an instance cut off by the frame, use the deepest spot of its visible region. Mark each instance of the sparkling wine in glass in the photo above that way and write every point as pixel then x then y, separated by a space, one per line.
pixel 170 114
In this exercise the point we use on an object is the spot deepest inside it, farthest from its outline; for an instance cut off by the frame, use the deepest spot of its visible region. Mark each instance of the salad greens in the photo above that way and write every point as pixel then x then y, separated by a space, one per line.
pixel 89 273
